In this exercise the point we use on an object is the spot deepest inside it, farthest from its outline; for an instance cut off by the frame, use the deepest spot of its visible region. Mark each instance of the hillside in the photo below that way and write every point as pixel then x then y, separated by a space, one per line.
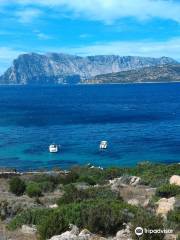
pixel 54 68
pixel 161 73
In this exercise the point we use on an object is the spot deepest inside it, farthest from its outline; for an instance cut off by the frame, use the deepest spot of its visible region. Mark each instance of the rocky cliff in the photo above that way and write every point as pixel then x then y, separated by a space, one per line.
pixel 56 68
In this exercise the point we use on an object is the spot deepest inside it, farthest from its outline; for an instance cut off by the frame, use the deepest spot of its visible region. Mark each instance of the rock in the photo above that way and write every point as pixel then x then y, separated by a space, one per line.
pixel 123 181
pixel 124 234
pixel 53 206
pixel 135 180
pixel 65 236
pixel 75 235
pixel 133 202
pixel 175 179
pixel 170 237
pixel 85 232
pixel 29 229
pixel 165 205
pixel 74 229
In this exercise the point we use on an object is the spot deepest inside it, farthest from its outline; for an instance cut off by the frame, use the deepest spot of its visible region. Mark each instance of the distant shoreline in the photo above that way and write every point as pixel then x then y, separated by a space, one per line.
pixel 87 84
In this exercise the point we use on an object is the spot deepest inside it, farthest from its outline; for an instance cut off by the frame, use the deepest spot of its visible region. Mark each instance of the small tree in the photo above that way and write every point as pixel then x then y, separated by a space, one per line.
pixel 17 186
pixel 33 190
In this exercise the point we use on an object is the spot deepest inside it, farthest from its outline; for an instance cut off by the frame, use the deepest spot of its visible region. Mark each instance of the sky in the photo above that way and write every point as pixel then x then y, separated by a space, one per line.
pixel 89 27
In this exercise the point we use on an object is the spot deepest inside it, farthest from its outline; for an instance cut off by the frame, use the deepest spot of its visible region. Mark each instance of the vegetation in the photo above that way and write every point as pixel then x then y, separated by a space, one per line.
pixel 96 208
pixel 33 190
pixel 30 216
pixel 17 186
pixel 148 221
pixel 73 194
pixel 102 216
pixel 168 190
pixel 173 218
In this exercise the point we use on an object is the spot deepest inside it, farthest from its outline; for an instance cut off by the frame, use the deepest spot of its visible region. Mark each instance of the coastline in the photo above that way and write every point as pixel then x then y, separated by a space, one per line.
pixel 65 84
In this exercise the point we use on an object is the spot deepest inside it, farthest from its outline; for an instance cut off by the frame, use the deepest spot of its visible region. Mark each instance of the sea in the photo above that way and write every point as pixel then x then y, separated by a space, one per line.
pixel 141 122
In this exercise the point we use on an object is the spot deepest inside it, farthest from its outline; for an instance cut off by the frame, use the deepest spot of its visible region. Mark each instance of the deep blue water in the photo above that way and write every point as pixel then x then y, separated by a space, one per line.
pixel 140 122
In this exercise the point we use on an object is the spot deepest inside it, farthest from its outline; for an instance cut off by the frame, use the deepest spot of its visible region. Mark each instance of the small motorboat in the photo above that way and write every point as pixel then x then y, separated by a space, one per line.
pixel 53 148
pixel 103 145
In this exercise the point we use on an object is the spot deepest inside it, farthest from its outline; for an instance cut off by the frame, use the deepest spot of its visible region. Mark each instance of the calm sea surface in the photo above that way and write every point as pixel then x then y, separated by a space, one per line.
pixel 140 122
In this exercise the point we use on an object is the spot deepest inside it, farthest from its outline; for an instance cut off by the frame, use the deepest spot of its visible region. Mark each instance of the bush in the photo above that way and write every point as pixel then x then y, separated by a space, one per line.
pixel 89 175
pixel 102 216
pixel 87 179
pixel 71 177
pixel 173 218
pixel 17 186
pixel 73 194
pixel 148 221
pixel 30 216
pixel 33 190
pixel 168 190
pixel 46 186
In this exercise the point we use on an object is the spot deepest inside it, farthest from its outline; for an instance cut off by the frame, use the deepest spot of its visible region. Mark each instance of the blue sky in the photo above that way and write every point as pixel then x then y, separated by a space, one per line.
pixel 89 27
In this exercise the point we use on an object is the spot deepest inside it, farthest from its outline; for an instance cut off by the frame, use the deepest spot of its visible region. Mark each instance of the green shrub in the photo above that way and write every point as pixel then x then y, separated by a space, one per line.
pixel 148 221
pixel 33 190
pixel 168 190
pixel 89 175
pixel 30 216
pixel 46 186
pixel 173 218
pixel 17 186
pixel 174 215
pixel 87 179
pixel 101 216
pixel 73 194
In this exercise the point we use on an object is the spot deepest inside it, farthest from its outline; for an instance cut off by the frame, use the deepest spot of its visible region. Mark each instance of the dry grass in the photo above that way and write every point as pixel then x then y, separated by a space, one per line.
pixel 15 235
pixel 139 193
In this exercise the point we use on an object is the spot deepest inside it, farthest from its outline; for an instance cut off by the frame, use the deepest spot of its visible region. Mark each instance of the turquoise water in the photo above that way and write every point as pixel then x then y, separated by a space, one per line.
pixel 140 122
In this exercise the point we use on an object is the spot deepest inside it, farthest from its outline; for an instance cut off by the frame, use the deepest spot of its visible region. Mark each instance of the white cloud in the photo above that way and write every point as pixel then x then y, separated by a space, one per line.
pixel 111 10
pixel 169 48
pixel 85 35
pixel 27 15
pixel 42 36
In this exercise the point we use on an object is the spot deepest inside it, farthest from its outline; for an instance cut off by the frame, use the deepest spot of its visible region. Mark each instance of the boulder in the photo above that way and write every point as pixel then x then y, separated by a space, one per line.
pixel 65 236
pixel 170 237
pixel 85 234
pixel 116 183
pixel 74 229
pixel 165 205
pixel 31 230
pixel 124 234
pixel 175 179
pixel 53 206
pixel 135 180
pixel 75 235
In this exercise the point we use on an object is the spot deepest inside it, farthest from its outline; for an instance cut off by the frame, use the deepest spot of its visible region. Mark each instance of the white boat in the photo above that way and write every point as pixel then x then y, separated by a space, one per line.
pixel 103 145
pixel 53 148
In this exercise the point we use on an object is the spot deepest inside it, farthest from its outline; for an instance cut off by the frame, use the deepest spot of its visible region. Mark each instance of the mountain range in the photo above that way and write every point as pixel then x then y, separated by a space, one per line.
pixel 59 68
